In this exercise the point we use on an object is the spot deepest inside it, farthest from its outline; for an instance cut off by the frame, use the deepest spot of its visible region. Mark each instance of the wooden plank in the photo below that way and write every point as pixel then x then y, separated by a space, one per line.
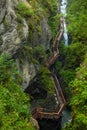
pixel 39 112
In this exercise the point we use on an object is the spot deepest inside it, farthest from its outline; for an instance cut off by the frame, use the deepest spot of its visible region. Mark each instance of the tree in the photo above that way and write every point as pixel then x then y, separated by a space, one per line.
pixel 79 99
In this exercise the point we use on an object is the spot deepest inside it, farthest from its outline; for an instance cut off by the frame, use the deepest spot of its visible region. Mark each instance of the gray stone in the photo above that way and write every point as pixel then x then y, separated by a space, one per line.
pixel 35 123
pixel 13 36
pixel 45 34
pixel 27 71
pixel 2 29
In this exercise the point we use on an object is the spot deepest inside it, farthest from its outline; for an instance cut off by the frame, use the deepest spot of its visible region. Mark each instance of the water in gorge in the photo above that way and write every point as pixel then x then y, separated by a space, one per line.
pixel 63 6
pixel 66 114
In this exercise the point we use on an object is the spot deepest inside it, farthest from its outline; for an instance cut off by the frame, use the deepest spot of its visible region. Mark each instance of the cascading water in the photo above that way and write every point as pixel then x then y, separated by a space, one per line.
pixel 63 6
pixel 66 114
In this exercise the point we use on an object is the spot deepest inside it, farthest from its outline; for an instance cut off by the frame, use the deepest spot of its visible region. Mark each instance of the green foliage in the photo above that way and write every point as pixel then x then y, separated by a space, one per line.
pixel 54 23
pixel 50 5
pixel 5 66
pixel 73 67
pixel 36 55
pixel 74 55
pixel 58 66
pixel 19 18
pixel 70 58
pixel 24 9
pixel 46 80
pixel 39 53
pixel 54 18
pixel 6 24
pixel 27 51
pixel 77 17
pixel 14 104
pixel 34 11
pixel 79 98
pixel 68 75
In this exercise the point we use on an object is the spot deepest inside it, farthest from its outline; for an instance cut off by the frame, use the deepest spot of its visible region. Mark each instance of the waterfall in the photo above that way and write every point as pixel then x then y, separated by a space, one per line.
pixel 63 12
pixel 66 114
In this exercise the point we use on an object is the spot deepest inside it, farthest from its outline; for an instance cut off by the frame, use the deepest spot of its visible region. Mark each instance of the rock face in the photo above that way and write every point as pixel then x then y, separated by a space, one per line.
pixel 35 123
pixel 27 70
pixel 9 37
pixel 12 38
pixel 45 34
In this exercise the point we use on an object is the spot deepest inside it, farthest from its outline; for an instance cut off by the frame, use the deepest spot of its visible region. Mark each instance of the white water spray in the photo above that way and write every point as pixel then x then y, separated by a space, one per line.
pixel 63 11
pixel 66 113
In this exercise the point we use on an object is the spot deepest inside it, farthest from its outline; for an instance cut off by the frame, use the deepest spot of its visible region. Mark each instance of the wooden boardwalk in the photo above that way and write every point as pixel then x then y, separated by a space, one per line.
pixel 41 112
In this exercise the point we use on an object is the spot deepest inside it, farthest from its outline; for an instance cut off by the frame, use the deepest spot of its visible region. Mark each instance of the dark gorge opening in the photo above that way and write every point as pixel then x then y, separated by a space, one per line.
pixel 50 124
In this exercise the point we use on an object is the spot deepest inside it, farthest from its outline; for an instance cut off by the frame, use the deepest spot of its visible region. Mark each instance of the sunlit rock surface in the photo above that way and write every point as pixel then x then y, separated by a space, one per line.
pixel 13 37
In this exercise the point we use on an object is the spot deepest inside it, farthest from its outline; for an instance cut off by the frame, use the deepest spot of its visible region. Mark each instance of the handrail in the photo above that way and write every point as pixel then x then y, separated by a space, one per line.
pixel 55 54
pixel 39 112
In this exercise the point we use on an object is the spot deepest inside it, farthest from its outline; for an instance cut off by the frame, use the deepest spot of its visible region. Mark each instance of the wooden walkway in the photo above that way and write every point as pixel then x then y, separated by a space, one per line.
pixel 55 54
pixel 41 112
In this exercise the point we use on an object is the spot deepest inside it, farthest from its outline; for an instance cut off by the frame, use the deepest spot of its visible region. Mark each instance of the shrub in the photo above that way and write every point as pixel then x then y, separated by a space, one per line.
pixel 14 103
pixel 39 54
pixel 24 9
pixel 45 80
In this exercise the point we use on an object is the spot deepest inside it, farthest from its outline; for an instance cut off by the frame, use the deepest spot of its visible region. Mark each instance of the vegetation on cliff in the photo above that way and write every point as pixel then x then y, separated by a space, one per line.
pixel 14 103
pixel 73 64
pixel 34 11
pixel 46 80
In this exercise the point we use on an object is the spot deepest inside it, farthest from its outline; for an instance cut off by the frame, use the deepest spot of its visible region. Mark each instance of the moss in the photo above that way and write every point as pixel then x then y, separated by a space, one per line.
pixel 54 24
pixel 19 27
pixel 36 10
pixel 6 24
pixel 36 55
pixel 19 18
pixel 39 54
pixel 31 25
pixel 1 40
pixel 34 24
pixel 24 9
pixel 28 52
pixel 45 79
pixel 38 28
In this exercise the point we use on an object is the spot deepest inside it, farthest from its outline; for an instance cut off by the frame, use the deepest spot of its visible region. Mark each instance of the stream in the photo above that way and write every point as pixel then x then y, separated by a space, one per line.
pixel 66 114
pixel 63 6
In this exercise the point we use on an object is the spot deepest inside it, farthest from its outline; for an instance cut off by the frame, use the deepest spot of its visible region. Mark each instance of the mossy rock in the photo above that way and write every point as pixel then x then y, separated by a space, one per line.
pixel 24 9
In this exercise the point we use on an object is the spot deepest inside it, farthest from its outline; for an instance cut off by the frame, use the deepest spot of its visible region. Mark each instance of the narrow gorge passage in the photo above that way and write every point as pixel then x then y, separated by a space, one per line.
pixel 66 114
pixel 39 113
pixel 43 65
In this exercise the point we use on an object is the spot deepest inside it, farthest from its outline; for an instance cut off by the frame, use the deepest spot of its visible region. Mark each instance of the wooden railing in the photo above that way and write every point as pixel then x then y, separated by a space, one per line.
pixel 55 54
pixel 41 112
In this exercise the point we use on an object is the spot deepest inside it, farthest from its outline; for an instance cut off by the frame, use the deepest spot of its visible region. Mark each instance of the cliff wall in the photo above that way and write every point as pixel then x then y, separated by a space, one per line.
pixel 18 29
